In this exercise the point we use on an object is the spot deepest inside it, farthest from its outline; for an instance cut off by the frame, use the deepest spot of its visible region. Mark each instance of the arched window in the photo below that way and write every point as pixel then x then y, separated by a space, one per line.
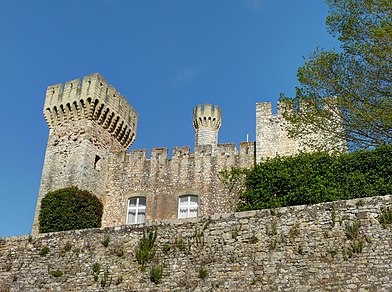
pixel 187 206
pixel 136 212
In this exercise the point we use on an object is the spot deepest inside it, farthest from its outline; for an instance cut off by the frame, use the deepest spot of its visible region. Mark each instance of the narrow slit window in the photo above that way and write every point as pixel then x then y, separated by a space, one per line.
pixel 97 162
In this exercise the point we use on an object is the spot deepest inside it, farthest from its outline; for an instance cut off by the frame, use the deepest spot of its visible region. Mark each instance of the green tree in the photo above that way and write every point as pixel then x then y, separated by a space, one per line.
pixel 358 77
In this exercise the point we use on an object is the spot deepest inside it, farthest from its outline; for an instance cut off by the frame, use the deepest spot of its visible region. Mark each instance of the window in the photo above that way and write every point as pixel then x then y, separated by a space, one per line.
pixel 136 213
pixel 187 206
pixel 97 162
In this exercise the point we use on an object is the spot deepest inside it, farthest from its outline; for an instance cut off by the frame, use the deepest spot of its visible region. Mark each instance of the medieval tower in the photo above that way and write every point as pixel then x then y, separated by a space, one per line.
pixel 87 121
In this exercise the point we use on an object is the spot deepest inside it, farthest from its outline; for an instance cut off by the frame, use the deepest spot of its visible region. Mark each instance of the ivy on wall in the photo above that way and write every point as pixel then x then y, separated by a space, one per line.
pixel 69 209
pixel 311 178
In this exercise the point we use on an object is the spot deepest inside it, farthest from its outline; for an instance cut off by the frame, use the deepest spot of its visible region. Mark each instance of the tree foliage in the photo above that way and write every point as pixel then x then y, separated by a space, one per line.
pixel 311 178
pixel 358 76
pixel 69 209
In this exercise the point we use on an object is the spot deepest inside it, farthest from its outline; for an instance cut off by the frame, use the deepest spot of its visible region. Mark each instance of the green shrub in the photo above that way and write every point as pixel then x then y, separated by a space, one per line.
pixel 69 209
pixel 385 217
pixel 67 246
pixel 44 251
pixel 166 248
pixel 311 178
pixel 96 270
pixel 105 241
pixel 156 274
pixel 145 250
pixel 57 273
pixel 203 273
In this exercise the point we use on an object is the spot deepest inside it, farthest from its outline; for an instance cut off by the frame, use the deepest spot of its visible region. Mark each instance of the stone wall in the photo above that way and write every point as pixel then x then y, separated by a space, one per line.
pixel 162 180
pixel 272 138
pixel 302 248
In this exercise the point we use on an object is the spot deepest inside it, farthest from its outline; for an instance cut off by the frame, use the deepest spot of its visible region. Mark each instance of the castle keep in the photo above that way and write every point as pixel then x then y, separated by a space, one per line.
pixel 90 128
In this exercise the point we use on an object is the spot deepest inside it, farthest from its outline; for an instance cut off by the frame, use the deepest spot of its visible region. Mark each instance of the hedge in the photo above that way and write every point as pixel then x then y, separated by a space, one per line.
pixel 69 209
pixel 311 178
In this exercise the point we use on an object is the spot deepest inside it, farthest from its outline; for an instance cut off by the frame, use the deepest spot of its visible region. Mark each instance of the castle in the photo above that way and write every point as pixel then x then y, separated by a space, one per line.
pixel 92 126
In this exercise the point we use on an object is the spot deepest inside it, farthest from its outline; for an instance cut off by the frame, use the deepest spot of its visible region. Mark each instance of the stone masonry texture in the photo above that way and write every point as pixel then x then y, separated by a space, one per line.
pixel 301 248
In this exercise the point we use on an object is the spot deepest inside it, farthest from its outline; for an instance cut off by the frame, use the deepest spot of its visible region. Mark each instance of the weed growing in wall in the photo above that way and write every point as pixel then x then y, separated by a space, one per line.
pixel 44 251
pixel 145 250
pixel 67 246
pixel 119 251
pixel 156 273
pixel 166 248
pixel 253 239
pixel 106 281
pixel 57 273
pixel 96 270
pixel 69 209
pixel 203 273
pixel 105 241
pixel 357 241
pixel 181 244
pixel 385 217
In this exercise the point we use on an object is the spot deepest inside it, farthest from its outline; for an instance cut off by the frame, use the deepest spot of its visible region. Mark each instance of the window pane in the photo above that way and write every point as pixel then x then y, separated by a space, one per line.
pixel 192 212
pixel 183 213
pixel 141 216
pixel 132 202
pixel 131 216
pixel 142 202
pixel 183 201
pixel 193 200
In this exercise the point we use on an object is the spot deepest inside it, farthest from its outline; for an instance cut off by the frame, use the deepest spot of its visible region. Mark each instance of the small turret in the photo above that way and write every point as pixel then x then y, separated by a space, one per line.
pixel 207 122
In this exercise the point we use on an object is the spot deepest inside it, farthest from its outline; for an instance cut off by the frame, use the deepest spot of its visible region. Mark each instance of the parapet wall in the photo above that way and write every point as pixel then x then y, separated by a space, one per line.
pixel 162 180
pixel 301 248
pixel 272 138
pixel 93 99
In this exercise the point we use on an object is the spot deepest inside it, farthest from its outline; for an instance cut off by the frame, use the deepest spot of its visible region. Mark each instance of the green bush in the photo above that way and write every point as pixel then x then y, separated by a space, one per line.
pixel 311 178
pixel 69 209
pixel 57 273
pixel 156 274
pixel 44 251
pixel 145 250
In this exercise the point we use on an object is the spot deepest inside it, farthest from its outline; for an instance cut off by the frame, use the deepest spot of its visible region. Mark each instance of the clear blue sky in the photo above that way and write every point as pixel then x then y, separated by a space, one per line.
pixel 165 57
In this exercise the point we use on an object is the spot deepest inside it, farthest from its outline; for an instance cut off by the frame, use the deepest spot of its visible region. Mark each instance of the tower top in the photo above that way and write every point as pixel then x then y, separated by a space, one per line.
pixel 92 99
pixel 208 117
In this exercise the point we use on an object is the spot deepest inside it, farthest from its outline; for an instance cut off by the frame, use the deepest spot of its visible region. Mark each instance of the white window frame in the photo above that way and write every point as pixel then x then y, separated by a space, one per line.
pixel 188 206
pixel 137 208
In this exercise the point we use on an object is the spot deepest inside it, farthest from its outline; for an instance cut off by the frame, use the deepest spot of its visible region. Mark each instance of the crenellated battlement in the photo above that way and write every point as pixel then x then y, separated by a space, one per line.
pixel 210 116
pixel 207 121
pixel 92 99
pixel 223 152
pixel 265 108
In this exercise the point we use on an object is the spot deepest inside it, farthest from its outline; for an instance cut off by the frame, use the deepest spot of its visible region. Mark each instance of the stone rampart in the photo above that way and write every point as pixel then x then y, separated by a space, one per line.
pixel 301 248
pixel 162 180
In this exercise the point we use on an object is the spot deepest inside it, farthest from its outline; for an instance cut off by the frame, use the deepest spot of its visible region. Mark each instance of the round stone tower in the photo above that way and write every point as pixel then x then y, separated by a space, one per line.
pixel 207 122
pixel 87 121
